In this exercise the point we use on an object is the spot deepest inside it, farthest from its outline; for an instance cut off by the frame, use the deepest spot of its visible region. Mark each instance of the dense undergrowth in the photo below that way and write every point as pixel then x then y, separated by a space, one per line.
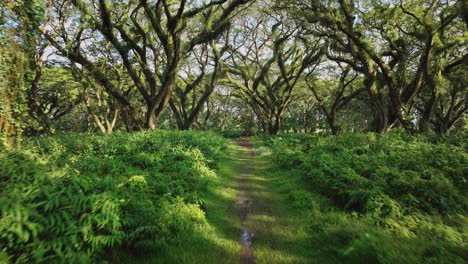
pixel 79 198
pixel 378 198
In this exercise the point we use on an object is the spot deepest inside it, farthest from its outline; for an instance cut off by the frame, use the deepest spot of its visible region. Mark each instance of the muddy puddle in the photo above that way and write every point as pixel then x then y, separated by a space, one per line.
pixel 243 207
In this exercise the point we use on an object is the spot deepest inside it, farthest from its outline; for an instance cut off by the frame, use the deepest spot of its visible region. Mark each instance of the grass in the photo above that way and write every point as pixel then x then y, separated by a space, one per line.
pixel 218 238
pixel 310 228
pixel 284 237
pixel 279 236
pixel 280 231
pixel 298 233
pixel 291 219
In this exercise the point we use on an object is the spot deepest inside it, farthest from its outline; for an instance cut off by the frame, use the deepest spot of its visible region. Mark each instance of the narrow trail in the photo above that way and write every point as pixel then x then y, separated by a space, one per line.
pixel 244 204
pixel 250 201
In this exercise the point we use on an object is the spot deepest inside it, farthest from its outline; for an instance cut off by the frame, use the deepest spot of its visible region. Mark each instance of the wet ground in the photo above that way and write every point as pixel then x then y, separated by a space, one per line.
pixel 244 204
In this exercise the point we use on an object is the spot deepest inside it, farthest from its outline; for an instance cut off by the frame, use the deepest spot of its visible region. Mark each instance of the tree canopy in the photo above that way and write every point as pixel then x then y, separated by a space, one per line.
pixel 332 65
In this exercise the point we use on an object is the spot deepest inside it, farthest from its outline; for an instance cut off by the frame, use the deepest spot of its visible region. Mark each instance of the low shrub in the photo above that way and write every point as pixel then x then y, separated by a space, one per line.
pixel 403 187
pixel 77 198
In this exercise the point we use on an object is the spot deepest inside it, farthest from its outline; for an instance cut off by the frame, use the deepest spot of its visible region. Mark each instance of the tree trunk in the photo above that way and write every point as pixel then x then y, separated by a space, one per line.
pixel 274 127
pixel 128 121
pixel 150 121
pixel 177 115
pixel 427 113
pixel 157 107
pixel 441 127
pixel 380 122
pixel 6 126
pixel 331 120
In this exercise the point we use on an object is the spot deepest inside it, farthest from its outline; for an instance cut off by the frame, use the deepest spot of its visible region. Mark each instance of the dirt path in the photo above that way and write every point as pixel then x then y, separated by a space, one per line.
pixel 251 200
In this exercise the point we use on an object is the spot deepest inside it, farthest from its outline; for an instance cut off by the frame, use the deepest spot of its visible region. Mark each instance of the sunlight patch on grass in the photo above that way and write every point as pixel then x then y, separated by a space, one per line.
pixel 217 238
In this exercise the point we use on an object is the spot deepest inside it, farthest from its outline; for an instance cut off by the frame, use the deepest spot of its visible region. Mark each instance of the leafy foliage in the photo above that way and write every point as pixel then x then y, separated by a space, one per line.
pixel 99 193
pixel 388 189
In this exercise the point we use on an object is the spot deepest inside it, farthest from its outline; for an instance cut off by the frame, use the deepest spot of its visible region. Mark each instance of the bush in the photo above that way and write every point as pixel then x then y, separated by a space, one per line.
pixel 47 217
pixel 73 197
pixel 233 133
pixel 410 187
pixel 352 169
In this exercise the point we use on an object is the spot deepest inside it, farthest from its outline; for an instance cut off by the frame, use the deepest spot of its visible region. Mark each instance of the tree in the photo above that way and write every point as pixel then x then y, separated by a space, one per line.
pixel 103 108
pixel 18 32
pixel 333 96
pixel 54 95
pixel 444 101
pixel 196 85
pixel 151 38
pixel 390 44
pixel 11 87
pixel 266 60
pixel 302 114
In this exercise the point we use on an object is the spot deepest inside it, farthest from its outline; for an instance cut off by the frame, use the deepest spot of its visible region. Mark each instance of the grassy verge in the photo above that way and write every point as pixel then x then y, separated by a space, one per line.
pixel 284 236
pixel 216 239
pixel 314 229
pixel 83 198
